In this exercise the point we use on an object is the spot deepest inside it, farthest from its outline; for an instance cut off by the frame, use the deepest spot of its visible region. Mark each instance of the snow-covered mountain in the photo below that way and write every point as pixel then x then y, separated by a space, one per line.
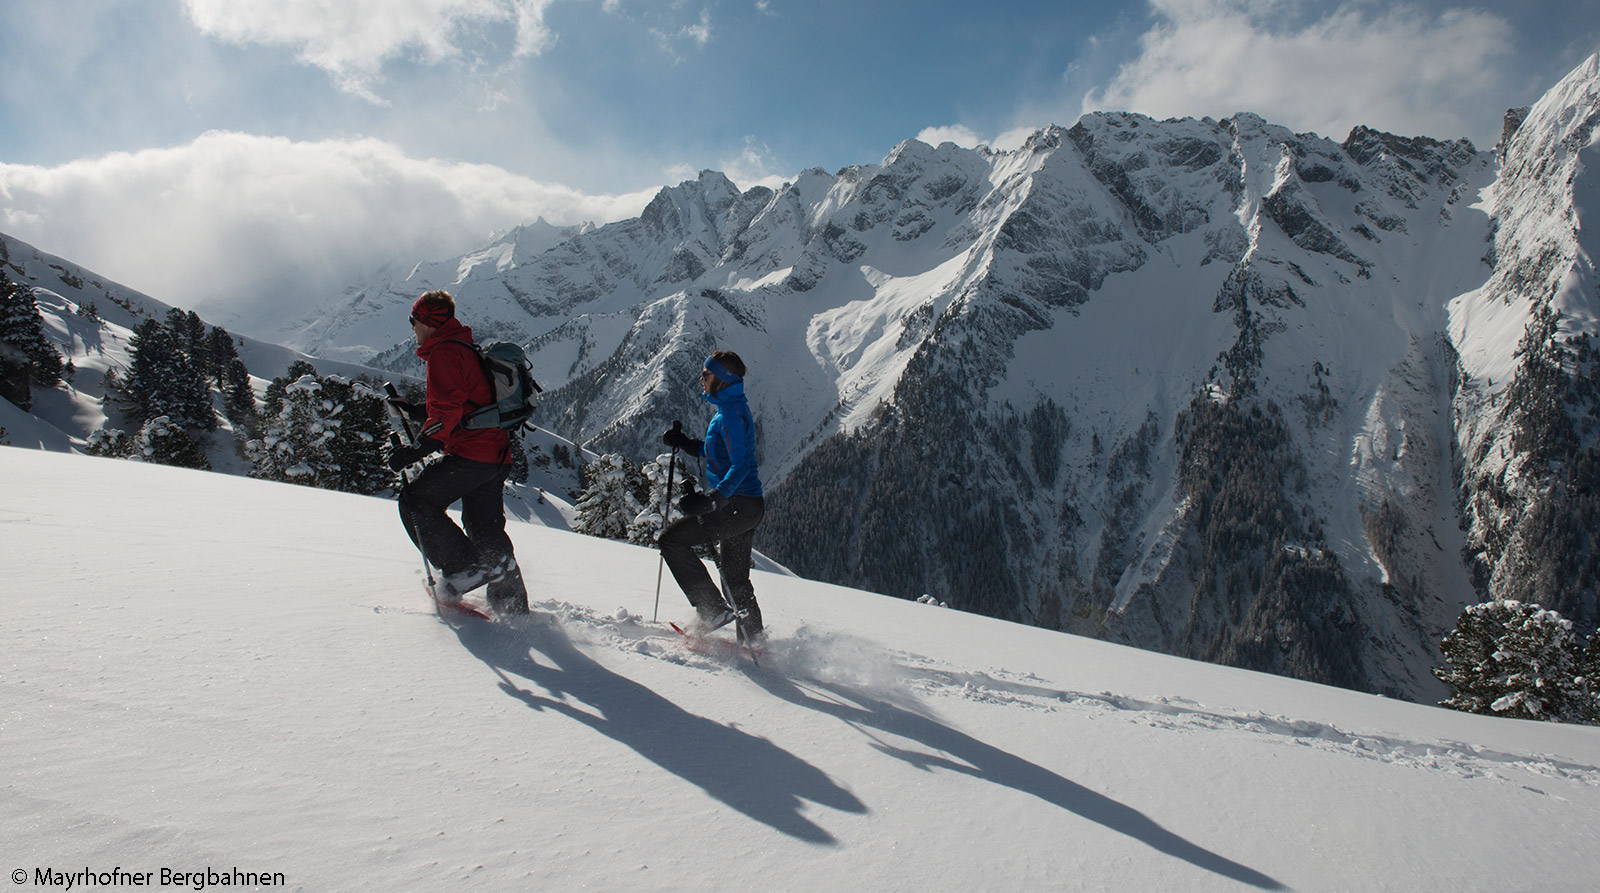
pixel 363 321
pixel 1528 407
pixel 1206 387
pixel 206 673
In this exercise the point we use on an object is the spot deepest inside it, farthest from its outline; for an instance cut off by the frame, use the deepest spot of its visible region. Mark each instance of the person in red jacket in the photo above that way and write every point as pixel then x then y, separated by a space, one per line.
pixel 474 468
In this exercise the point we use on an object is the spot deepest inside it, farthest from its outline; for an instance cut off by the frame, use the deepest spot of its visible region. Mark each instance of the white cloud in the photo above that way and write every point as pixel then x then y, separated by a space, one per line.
pixel 698 33
pixel 755 166
pixel 352 39
pixel 1391 66
pixel 960 134
pixel 967 138
pixel 228 215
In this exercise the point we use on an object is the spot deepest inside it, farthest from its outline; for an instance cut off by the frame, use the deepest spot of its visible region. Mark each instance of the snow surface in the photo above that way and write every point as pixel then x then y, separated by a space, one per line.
pixel 207 671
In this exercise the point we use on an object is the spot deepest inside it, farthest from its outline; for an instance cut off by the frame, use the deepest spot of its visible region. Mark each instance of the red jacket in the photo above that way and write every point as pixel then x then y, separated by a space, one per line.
pixel 457 386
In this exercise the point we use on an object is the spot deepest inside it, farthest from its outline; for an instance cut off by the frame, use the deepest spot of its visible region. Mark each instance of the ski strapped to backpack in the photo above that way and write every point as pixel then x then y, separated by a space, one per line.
pixel 511 382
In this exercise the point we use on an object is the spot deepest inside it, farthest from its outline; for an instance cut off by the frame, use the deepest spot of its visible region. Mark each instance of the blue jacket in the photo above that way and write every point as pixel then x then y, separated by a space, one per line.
pixel 730 447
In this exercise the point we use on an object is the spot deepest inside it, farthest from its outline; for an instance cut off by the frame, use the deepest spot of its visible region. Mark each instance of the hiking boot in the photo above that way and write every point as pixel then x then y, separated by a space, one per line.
pixel 507 594
pixel 716 618
pixel 451 587
pixel 501 569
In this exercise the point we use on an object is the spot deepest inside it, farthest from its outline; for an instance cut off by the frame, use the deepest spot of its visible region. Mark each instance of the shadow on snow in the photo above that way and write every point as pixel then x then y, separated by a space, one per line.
pixel 766 782
pixel 749 774
pixel 956 751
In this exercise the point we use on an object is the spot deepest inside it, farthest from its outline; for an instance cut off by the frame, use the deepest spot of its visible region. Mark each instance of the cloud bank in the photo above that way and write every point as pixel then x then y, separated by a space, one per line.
pixel 1391 66
pixel 352 39
pixel 233 219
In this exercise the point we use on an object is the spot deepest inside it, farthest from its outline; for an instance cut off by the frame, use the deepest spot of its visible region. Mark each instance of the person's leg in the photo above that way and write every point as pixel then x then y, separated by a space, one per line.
pixel 483 514
pixel 677 549
pixel 422 510
pixel 738 517
pixel 734 553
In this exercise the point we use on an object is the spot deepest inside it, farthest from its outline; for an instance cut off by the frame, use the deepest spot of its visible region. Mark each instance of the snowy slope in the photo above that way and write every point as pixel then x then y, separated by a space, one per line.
pixel 203 671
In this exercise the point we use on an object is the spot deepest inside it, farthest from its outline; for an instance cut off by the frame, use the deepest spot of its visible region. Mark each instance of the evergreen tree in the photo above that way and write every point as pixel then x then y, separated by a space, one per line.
pixel 645 529
pixel 190 337
pixel 221 352
pixel 1507 658
pixel 1589 680
pixel 239 397
pixel 26 357
pixel 273 398
pixel 14 380
pixel 519 459
pixel 164 442
pixel 162 381
pixel 293 446
pixel 327 432
pixel 608 504
pixel 142 391
pixel 112 443
pixel 356 414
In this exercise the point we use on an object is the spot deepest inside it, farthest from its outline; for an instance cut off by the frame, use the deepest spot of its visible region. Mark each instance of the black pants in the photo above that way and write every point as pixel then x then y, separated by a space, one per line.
pixel 733 529
pixel 447 547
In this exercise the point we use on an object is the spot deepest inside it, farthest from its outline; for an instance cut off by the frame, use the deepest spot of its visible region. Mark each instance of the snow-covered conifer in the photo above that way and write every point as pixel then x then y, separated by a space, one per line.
pixel 25 355
pixel 359 423
pixel 608 503
pixel 293 446
pixel 1507 658
pixel 326 433
pixel 165 442
pixel 273 398
pixel 161 381
pixel 1588 681
pixel 645 529
pixel 113 443
pixel 239 397
pixel 221 352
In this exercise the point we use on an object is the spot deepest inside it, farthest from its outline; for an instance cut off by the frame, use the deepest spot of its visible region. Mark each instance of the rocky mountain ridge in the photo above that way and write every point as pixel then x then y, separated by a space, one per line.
pixel 1207 387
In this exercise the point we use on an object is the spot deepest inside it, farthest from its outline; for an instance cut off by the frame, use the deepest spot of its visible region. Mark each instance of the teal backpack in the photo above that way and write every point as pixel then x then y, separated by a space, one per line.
pixel 510 377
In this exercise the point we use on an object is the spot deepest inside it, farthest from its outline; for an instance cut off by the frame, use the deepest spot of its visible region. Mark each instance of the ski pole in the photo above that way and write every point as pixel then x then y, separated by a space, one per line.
pixel 666 507
pixel 394 443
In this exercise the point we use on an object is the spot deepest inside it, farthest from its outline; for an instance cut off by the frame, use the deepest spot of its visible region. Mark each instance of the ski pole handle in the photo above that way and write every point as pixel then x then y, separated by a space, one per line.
pixel 389 388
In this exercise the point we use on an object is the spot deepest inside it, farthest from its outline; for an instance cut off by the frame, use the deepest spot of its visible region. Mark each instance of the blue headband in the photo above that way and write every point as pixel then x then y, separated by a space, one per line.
pixel 721 371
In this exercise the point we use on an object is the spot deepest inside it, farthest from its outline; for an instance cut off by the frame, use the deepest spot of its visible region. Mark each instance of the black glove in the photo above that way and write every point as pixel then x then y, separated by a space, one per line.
pixel 409 409
pixel 694 503
pixel 674 437
pixel 402 456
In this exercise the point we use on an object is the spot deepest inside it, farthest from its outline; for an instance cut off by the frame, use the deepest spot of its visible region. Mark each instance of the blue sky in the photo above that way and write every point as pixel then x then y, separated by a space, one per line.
pixel 197 148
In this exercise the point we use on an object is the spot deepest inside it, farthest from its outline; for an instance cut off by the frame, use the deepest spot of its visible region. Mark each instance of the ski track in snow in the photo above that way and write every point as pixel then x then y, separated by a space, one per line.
pixel 905 679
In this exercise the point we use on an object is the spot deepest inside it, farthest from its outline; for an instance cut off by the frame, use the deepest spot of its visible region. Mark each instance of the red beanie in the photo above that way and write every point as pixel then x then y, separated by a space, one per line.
pixel 429 314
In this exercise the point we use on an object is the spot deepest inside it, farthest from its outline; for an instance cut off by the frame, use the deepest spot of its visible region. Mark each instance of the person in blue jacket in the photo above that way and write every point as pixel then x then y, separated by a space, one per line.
pixel 728 512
